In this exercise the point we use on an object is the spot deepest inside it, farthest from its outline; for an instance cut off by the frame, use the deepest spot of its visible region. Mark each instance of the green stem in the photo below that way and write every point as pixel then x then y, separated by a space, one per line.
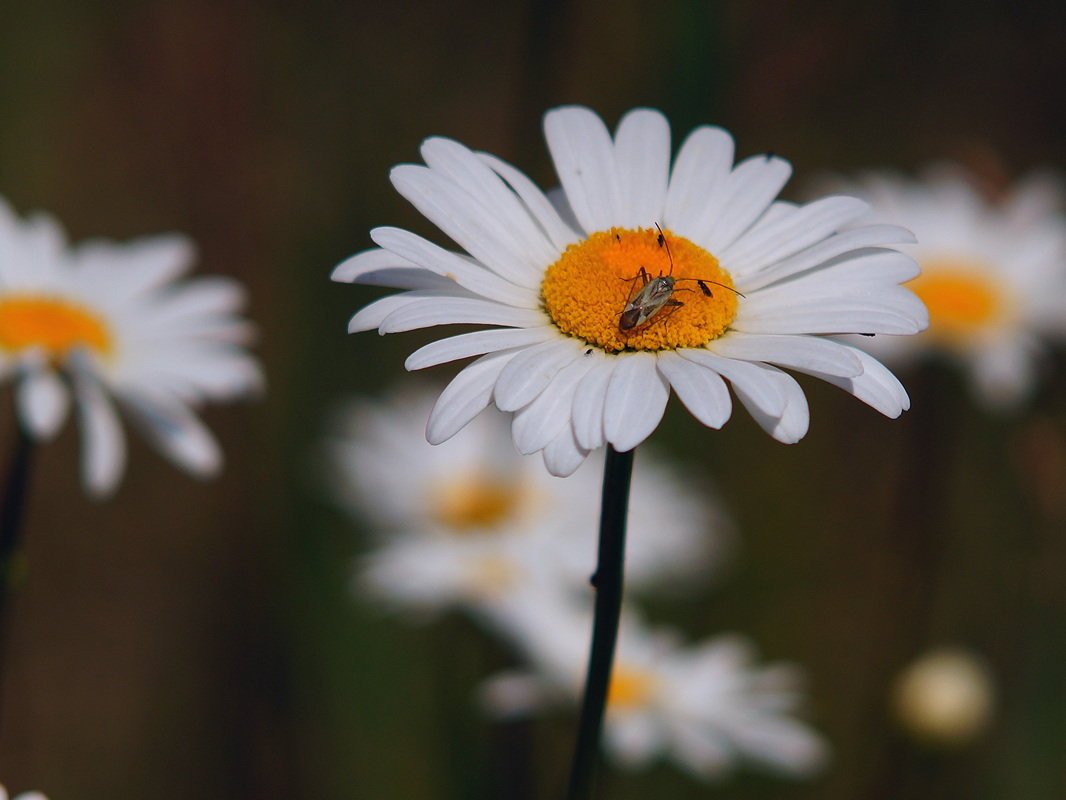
pixel 607 581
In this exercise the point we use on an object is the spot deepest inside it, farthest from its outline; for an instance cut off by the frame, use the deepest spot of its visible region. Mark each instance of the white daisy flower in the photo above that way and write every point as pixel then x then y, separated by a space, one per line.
pixel 23 796
pixel 106 322
pixel 599 314
pixel 706 706
pixel 471 521
pixel 993 274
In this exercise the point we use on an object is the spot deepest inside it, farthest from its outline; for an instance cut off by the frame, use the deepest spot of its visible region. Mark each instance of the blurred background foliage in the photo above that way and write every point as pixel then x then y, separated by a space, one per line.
pixel 199 640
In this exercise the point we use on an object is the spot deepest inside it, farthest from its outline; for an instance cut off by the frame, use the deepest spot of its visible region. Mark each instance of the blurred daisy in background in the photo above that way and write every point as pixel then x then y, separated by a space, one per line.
pixel 109 323
pixel 705 706
pixel 471 521
pixel 23 796
pixel 642 278
pixel 993 273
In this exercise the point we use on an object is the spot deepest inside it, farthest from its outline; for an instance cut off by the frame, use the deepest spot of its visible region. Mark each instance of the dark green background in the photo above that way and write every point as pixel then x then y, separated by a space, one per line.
pixel 189 640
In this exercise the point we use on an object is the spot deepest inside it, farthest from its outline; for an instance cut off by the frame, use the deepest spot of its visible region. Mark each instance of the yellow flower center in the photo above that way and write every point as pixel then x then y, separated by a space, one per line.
pixel 52 324
pixel 476 501
pixel 595 282
pixel 630 688
pixel 962 301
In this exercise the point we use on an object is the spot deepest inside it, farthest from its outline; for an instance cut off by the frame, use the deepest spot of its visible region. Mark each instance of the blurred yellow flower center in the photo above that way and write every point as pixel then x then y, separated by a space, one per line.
pixel 54 325
pixel 630 688
pixel 597 281
pixel 494 575
pixel 961 300
pixel 473 502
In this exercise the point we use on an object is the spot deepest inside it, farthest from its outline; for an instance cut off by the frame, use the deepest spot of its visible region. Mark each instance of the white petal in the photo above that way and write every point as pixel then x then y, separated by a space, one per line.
pixel 536 424
pixel 103 452
pixel 636 400
pixel 804 227
pixel 467 222
pixel 805 353
pixel 792 424
pixel 698 181
pixel 702 390
pixel 370 316
pixel 752 382
pixel 531 371
pixel 891 310
pixel 201 297
pixel 42 401
pixel 857 241
pixel 466 396
pixel 140 266
pixel 477 343
pixel 428 311
pixel 564 455
pixel 583 155
pixel 465 272
pixel 517 228
pixel 752 186
pixel 537 204
pixel 379 267
pixel 867 270
pixel 782 743
pixel 509 694
pixel 176 432
pixel 633 740
pixel 705 752
pixel 876 386
pixel 1003 373
pixel 589 398
pixel 642 156
pixel 772 397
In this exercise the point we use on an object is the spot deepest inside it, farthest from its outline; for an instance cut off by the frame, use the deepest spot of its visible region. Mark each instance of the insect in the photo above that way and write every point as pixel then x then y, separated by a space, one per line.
pixel 657 293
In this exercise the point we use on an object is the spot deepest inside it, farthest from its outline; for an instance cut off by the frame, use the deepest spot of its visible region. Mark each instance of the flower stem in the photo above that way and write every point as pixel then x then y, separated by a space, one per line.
pixel 607 581
pixel 12 505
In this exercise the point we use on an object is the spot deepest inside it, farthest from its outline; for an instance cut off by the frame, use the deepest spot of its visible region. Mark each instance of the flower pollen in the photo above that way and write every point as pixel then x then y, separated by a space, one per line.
pixel 961 300
pixel 55 325
pixel 587 290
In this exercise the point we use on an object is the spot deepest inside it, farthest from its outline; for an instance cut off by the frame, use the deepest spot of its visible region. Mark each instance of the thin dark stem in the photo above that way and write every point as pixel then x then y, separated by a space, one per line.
pixel 12 508
pixel 607 581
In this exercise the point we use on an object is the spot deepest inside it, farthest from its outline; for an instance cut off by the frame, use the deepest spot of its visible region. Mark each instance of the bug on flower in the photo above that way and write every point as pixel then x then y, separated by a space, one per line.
pixel 657 293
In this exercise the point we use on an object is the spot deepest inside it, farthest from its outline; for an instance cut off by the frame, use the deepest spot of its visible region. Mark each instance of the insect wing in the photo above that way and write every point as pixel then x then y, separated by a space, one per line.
pixel 646 303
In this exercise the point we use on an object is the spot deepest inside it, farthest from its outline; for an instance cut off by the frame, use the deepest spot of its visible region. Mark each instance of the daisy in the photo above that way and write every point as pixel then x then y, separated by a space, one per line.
pixel 105 322
pixel 705 706
pixel 471 521
pixel 639 278
pixel 993 274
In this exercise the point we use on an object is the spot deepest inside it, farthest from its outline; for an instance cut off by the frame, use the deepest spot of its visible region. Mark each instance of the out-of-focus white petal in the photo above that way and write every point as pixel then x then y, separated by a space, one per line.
pixel 176 433
pixel 41 398
pixel 103 453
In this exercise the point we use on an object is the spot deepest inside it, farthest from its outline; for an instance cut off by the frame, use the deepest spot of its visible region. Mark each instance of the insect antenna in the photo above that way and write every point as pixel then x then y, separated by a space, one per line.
pixel 666 244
